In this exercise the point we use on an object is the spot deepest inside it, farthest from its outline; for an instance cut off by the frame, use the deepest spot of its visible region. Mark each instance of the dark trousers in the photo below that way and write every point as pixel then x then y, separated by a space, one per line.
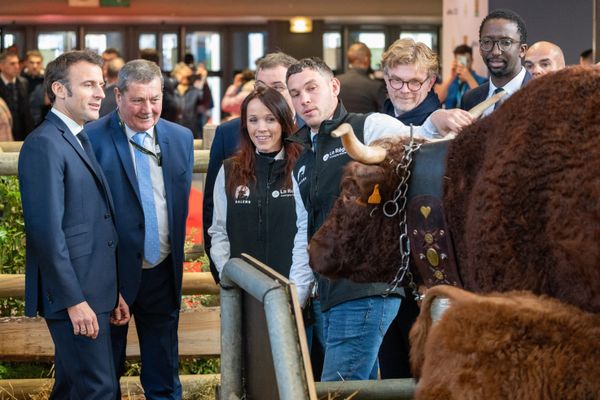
pixel 84 367
pixel 394 352
pixel 156 319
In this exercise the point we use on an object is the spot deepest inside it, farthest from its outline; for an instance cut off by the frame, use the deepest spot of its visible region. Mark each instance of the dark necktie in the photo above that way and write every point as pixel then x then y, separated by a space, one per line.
pixel 498 90
pixel 87 147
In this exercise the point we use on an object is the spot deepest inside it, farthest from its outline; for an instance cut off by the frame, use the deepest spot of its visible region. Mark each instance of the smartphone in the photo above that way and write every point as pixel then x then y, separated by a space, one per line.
pixel 462 59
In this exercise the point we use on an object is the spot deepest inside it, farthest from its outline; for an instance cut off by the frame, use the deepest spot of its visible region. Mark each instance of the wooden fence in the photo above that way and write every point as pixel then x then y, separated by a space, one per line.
pixel 28 339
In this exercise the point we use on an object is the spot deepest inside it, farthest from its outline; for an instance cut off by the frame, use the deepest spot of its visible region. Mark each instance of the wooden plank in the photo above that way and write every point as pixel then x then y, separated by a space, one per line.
pixel 15 147
pixel 13 285
pixel 208 132
pixel 9 161
pixel 23 389
pixel 24 338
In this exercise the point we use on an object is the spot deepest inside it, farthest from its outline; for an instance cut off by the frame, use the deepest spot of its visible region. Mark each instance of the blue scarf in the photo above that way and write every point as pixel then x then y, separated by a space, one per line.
pixel 417 115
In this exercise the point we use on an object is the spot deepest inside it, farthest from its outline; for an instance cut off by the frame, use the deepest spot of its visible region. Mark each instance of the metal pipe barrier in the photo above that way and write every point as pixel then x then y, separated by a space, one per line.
pixel 283 336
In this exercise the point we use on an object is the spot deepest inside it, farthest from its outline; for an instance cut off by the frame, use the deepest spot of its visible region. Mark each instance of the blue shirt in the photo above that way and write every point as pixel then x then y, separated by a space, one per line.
pixel 457 89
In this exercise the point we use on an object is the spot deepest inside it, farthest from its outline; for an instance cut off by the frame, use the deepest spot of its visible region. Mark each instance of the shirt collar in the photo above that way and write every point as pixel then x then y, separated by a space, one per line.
pixel 73 126
pixel 130 133
pixel 512 86
pixel 7 82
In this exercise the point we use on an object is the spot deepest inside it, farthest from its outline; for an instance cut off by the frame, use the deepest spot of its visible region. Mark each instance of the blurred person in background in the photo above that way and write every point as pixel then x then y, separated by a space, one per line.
pixel 14 90
pixel 189 98
pixel 461 79
pixel 5 123
pixel 359 92
pixel 33 71
pixel 112 72
pixel 243 84
pixel 586 57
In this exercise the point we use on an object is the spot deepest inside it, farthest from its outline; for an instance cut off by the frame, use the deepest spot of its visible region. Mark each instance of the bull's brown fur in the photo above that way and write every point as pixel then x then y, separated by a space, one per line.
pixel 505 346
pixel 523 194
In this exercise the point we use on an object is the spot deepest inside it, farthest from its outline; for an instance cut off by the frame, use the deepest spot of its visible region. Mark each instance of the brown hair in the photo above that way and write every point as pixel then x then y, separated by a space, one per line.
pixel 242 169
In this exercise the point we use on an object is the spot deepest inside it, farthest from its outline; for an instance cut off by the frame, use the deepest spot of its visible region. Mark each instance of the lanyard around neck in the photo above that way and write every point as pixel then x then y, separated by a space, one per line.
pixel 157 155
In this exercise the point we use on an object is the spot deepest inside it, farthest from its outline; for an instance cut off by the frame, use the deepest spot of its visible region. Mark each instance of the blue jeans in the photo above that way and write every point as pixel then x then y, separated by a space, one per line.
pixel 353 333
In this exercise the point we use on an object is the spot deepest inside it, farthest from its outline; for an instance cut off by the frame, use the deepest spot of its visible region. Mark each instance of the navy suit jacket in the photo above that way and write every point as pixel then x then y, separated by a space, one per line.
pixel 480 93
pixel 71 237
pixel 112 151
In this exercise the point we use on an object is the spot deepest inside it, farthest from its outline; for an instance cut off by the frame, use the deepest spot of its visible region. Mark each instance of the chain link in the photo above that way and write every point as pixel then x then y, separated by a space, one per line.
pixel 397 206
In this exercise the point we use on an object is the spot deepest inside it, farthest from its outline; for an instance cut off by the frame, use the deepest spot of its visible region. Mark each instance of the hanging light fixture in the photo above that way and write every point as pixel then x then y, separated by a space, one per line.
pixel 300 25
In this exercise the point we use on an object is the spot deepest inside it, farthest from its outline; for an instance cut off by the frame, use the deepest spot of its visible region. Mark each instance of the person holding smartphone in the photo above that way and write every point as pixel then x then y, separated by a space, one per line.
pixel 461 79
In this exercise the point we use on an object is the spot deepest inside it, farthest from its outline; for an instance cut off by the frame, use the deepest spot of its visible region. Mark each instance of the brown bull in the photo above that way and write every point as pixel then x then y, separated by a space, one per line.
pixel 521 194
pixel 505 346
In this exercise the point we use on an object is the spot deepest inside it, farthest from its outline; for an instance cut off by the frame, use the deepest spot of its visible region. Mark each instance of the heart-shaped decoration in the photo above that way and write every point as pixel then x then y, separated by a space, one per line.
pixel 425 210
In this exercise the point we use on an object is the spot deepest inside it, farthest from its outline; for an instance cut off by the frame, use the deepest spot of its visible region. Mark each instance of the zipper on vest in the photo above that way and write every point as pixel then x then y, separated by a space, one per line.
pixel 260 222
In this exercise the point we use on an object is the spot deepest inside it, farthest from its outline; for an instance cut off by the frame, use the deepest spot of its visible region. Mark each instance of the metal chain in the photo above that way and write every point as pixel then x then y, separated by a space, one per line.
pixel 397 206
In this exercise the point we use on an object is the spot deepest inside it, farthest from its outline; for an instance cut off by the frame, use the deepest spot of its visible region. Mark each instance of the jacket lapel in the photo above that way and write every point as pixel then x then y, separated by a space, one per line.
pixel 121 143
pixel 70 138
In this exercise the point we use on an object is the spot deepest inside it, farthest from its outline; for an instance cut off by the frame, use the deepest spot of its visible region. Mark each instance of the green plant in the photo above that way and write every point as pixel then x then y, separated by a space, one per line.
pixel 12 239
pixel 199 366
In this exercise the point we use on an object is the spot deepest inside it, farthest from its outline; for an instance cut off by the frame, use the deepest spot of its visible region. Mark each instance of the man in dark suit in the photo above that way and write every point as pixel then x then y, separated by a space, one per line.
pixel 71 271
pixel 148 163
pixel 502 45
pixel 360 92
pixel 15 92
pixel 270 71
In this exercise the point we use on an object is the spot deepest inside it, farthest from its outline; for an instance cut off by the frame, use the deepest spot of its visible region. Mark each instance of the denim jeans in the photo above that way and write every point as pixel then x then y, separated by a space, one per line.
pixel 353 333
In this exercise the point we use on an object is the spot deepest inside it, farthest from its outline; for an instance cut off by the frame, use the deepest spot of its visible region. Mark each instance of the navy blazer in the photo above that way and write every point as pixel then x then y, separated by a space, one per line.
pixel 71 237
pixel 112 151
pixel 476 95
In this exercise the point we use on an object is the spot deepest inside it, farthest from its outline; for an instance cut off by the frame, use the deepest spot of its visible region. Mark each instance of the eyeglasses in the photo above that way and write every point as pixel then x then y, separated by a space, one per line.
pixel 503 44
pixel 413 85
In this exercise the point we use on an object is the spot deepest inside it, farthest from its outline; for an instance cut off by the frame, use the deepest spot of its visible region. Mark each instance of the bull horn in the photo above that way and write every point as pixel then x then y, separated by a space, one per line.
pixel 357 150
pixel 481 107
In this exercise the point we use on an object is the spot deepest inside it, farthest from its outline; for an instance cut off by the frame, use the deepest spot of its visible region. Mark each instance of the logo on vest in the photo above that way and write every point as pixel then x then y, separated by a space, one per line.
pixel 338 151
pixel 282 193
pixel 300 178
pixel 242 194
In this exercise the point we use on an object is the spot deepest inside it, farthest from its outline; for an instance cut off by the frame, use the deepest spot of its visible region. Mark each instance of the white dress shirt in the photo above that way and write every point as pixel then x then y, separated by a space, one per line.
pixel 510 88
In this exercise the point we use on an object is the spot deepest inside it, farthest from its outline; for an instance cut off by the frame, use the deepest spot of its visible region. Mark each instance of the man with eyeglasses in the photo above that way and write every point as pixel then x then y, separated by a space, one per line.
pixel 502 45
pixel 410 69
